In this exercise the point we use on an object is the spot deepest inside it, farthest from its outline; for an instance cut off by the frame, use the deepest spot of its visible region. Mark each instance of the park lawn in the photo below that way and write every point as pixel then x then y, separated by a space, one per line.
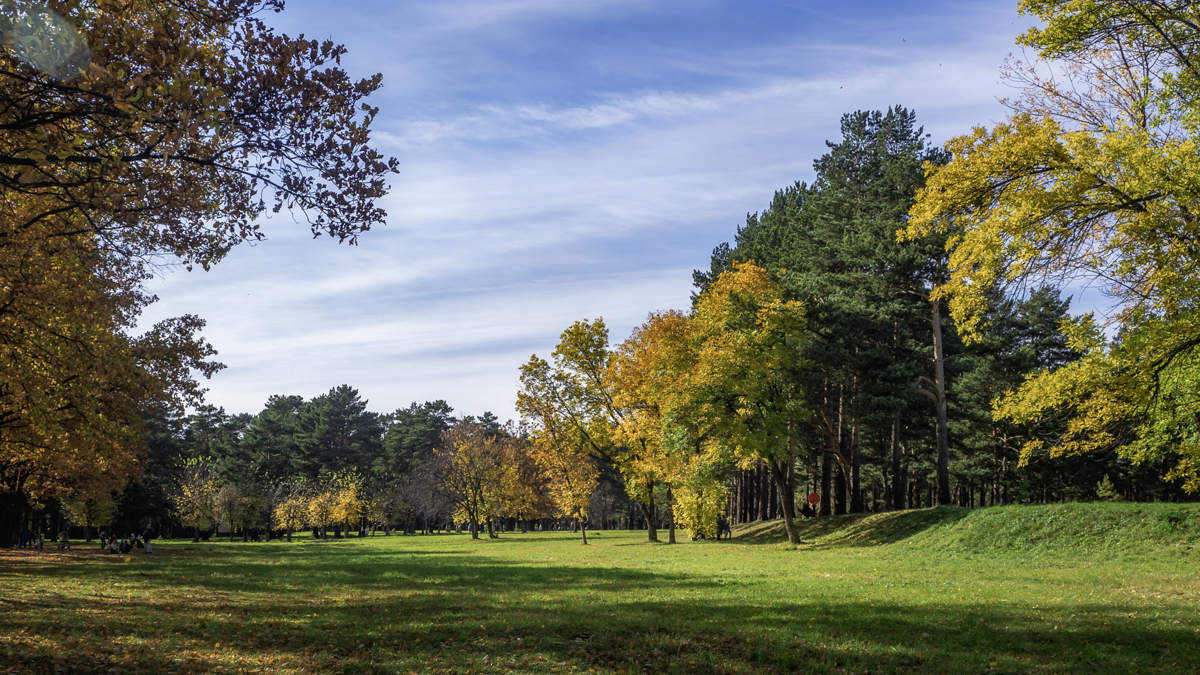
pixel 543 602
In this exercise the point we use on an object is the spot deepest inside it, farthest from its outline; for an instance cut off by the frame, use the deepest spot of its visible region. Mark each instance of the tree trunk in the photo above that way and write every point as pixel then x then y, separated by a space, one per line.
pixel 583 531
pixel 648 512
pixel 856 495
pixel 671 515
pixel 939 383
pixel 783 477
pixel 839 489
pixel 826 479
pixel 898 487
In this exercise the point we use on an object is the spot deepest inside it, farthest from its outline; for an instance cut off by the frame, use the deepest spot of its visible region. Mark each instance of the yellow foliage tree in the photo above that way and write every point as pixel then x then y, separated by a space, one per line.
pixel 570 471
pixel 292 514
pixel 645 375
pixel 195 493
pixel 471 473
pixel 348 499
pixel 1095 179
pixel 322 510
pixel 746 389
pixel 570 409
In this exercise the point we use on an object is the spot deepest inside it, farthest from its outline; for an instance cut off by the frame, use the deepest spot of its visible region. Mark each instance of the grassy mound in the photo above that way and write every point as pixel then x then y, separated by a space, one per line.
pixel 1100 528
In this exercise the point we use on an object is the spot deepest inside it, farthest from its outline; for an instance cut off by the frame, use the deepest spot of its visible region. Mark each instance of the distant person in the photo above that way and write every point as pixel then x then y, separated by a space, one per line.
pixel 807 511
pixel 147 536
pixel 64 542
pixel 722 523
pixel 25 537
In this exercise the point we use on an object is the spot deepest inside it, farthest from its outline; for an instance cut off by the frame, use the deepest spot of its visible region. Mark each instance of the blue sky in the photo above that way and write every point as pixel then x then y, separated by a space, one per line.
pixel 561 160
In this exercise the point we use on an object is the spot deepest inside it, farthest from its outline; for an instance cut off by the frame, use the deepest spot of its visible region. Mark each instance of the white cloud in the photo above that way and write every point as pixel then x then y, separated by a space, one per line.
pixel 514 216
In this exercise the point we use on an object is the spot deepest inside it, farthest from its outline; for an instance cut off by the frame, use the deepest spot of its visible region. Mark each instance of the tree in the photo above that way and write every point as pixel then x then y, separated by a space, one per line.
pixel 646 375
pixel 132 132
pixel 412 434
pixel 1091 181
pixel 74 377
pixel 91 510
pixel 338 432
pixel 832 244
pixel 291 513
pixel 571 411
pixel 229 508
pixel 570 472
pixel 471 473
pixel 195 494
pixel 322 508
pixel 161 127
pixel 270 446
pixel 349 502
pixel 747 385
pixel 521 492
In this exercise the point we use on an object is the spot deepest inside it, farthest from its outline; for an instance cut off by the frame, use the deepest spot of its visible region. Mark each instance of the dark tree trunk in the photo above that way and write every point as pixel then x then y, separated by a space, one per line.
pixel 898 487
pixel 939 383
pixel 839 489
pixel 671 516
pixel 856 495
pixel 826 480
pixel 648 512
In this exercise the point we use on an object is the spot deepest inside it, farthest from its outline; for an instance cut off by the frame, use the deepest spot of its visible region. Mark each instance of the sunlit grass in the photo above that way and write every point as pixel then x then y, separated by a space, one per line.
pixel 543 602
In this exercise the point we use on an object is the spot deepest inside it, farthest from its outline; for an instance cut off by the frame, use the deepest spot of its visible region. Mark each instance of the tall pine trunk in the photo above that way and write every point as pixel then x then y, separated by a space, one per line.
pixel 899 489
pixel 827 479
pixel 939 383
pixel 856 495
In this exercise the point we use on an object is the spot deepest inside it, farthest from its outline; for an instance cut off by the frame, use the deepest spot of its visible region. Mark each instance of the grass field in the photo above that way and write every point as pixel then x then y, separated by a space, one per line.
pixel 1093 588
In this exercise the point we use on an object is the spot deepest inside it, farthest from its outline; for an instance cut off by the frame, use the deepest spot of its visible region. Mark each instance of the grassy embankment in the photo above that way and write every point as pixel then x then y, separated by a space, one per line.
pixel 1096 587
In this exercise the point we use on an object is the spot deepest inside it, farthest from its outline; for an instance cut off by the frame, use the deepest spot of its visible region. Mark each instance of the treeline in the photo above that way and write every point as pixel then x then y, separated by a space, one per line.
pixel 330 465
pixel 326 463
pixel 817 359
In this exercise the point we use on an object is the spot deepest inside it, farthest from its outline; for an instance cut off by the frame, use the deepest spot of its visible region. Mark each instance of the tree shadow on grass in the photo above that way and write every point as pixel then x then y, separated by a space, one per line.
pixel 491 616
pixel 852 530
pixel 364 610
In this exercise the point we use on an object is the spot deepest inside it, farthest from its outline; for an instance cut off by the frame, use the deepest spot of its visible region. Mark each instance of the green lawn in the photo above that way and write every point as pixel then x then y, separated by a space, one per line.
pixel 902 593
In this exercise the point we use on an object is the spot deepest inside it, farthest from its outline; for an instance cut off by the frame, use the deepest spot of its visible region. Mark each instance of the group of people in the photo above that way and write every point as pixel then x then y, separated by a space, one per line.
pixel 110 542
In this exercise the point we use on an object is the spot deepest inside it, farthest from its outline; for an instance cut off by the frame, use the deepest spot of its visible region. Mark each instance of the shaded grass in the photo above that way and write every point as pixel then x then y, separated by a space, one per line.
pixel 886 599
pixel 1072 528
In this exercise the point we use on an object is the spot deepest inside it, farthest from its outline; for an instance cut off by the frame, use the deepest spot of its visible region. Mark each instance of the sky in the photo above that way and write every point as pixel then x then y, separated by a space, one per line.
pixel 562 160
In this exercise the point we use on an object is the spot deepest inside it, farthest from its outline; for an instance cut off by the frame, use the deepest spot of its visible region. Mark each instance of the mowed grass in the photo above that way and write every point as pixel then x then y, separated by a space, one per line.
pixel 941 590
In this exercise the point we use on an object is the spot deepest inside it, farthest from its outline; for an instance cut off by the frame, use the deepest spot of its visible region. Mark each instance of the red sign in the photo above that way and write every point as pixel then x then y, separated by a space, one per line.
pixel 814 498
